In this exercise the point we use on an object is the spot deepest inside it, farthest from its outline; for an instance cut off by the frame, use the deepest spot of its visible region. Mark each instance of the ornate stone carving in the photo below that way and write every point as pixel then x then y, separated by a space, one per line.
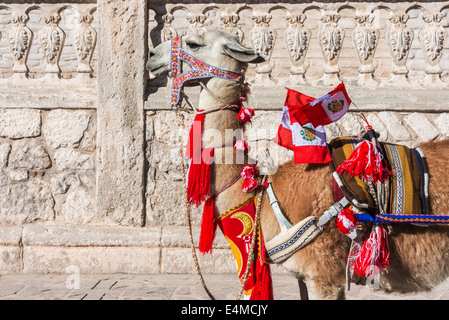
pixel 432 39
pixel 230 25
pixel 331 38
pixel 52 40
pixel 365 38
pixel 263 38
pixel 85 41
pixel 20 38
pixel 168 32
pixel 196 23
pixel 297 39
pixel 399 38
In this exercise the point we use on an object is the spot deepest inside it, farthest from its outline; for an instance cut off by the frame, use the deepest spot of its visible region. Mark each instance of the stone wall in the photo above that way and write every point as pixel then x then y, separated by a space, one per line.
pixel 89 163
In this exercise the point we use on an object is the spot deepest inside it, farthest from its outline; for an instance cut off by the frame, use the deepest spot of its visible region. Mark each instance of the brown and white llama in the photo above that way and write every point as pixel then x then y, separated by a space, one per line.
pixel 419 255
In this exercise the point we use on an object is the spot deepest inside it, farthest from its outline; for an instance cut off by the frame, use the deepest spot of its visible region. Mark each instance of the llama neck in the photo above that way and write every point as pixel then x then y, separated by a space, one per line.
pixel 221 130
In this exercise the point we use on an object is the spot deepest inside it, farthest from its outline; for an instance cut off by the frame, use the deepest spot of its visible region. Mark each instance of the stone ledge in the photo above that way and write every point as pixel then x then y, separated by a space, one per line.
pixel 369 99
pixel 83 236
pixel 133 260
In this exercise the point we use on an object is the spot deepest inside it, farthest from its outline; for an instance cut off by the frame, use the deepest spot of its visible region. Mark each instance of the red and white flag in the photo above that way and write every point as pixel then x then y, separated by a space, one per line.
pixel 326 109
pixel 307 142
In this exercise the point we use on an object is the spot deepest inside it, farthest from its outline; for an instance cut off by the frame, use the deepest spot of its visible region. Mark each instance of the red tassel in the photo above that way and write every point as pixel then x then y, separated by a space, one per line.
pixel 347 221
pixel 245 114
pixel 241 145
pixel 208 227
pixel 374 255
pixel 249 185
pixel 263 289
pixel 365 162
pixel 198 183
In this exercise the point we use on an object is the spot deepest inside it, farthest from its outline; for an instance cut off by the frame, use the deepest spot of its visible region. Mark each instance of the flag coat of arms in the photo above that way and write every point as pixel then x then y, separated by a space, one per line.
pixel 324 110
pixel 307 141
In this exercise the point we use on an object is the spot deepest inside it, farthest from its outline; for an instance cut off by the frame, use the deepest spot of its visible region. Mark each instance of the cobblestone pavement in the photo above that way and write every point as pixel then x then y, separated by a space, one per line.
pixel 165 287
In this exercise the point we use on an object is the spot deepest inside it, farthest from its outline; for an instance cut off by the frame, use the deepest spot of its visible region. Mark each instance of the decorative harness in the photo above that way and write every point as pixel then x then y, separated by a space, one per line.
pixel 200 70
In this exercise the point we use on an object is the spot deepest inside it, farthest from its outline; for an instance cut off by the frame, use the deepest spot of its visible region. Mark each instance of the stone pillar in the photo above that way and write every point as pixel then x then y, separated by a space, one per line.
pixel 122 38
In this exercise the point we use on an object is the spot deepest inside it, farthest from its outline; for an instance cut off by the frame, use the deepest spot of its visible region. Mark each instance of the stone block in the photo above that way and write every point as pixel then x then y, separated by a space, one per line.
pixel 68 158
pixel 421 125
pixel 20 123
pixel 442 122
pixel 64 128
pixel 30 155
pixel 79 206
pixel 5 149
pixel 10 236
pixel 27 202
pixel 132 260
pixel 10 260
pixel 394 125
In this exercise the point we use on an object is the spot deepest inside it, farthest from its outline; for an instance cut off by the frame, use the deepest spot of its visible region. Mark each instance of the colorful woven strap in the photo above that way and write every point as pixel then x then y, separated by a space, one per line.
pixel 200 70
pixel 398 218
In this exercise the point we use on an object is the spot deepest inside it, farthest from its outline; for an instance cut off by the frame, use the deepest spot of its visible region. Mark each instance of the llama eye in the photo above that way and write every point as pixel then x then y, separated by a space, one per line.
pixel 194 46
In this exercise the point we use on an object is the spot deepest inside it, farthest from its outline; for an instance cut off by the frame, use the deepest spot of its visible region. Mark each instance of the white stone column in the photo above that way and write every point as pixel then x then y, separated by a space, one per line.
pixel 122 40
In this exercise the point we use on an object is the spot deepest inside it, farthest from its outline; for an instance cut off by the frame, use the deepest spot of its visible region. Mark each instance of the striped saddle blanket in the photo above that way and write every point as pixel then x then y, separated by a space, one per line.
pixel 408 186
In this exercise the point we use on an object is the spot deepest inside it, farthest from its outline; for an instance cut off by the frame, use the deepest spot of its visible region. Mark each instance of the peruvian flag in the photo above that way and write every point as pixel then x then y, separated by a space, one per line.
pixel 307 142
pixel 324 110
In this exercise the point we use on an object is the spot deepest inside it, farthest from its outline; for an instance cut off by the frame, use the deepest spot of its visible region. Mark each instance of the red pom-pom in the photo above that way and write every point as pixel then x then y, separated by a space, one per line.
pixel 250 184
pixel 241 145
pixel 347 221
pixel 365 162
pixel 249 171
pixel 245 114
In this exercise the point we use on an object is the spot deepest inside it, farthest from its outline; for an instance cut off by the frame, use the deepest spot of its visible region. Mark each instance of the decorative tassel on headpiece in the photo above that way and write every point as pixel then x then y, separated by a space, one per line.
pixel 245 114
pixel 249 173
pixel 365 162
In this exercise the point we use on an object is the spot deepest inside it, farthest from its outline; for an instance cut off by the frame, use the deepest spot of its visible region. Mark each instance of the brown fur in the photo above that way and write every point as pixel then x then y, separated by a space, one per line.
pixel 419 255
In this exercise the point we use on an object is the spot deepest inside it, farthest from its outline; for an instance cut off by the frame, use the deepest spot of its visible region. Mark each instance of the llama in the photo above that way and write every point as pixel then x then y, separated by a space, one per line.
pixel 419 255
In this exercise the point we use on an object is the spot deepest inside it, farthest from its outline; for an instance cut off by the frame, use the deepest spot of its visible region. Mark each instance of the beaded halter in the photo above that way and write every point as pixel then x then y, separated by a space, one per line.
pixel 200 70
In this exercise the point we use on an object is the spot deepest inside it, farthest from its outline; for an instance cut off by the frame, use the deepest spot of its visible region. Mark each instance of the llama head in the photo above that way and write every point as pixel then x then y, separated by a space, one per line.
pixel 217 48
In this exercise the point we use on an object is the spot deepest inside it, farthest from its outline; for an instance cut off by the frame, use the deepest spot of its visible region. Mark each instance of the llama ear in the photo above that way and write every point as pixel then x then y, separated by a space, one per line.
pixel 241 53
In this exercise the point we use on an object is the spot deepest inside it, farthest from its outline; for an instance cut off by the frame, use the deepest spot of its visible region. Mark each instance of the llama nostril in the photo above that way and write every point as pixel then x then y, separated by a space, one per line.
pixel 151 53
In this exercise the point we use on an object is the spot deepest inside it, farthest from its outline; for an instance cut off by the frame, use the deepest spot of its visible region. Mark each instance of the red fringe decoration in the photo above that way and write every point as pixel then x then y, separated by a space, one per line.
pixel 365 162
pixel 263 289
pixel 198 183
pixel 374 255
pixel 245 114
pixel 347 221
pixel 208 227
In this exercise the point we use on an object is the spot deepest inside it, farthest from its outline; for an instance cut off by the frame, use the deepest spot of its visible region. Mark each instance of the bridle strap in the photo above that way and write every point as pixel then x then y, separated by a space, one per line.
pixel 199 70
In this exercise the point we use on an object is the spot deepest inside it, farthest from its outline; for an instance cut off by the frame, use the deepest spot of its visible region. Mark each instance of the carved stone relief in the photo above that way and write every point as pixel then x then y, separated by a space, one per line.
pixel 20 38
pixel 85 42
pixel 432 39
pixel 297 39
pixel 52 41
pixel 399 38
pixel 365 38
pixel 331 38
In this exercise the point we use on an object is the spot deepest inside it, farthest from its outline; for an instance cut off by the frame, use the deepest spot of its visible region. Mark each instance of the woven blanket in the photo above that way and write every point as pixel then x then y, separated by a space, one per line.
pixel 408 186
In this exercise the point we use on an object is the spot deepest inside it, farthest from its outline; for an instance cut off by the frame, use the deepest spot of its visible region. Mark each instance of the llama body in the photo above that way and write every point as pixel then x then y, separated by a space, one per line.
pixel 419 255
